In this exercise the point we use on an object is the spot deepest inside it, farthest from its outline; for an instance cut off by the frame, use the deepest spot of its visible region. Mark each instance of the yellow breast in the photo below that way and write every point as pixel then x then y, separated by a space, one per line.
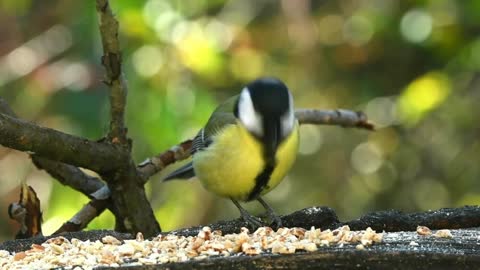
pixel 229 166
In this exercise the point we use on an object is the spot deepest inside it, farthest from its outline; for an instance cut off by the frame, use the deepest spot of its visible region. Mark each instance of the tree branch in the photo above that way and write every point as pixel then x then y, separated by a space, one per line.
pixel 64 173
pixel 134 212
pixel 58 146
pixel 147 168
pixel 5 108
pixel 69 175
pixel 112 61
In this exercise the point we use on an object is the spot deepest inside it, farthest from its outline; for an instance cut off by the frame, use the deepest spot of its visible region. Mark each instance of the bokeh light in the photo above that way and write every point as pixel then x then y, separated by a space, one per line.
pixel 147 60
pixel 422 95
pixel 416 25
pixel 366 158
pixel 358 30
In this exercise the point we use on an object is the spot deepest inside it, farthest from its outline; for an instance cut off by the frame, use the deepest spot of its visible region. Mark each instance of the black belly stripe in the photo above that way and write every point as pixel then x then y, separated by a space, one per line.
pixel 269 155
pixel 261 181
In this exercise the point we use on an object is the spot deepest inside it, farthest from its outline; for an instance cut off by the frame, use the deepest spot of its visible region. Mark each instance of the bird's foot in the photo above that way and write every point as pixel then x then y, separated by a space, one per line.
pixel 253 222
pixel 276 221
pixel 272 219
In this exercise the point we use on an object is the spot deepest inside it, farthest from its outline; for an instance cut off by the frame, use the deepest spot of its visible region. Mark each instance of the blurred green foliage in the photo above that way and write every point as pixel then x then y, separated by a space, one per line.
pixel 412 66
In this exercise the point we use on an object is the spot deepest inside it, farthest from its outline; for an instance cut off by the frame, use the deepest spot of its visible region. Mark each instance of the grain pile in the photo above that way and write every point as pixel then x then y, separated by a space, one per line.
pixel 61 252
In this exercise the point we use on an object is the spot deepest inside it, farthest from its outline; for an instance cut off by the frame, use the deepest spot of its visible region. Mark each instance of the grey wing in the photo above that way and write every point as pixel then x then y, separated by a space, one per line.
pixel 205 136
pixel 200 142
pixel 186 171
pixel 223 117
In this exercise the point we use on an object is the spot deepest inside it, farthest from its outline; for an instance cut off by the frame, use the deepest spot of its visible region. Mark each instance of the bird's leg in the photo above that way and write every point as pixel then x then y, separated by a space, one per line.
pixel 247 217
pixel 276 221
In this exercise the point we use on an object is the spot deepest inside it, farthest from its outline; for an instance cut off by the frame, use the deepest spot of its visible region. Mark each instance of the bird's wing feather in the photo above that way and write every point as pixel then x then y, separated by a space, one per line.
pixel 185 172
pixel 221 117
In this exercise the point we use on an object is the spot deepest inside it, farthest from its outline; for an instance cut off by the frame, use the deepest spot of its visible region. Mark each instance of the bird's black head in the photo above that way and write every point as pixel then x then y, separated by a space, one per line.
pixel 265 108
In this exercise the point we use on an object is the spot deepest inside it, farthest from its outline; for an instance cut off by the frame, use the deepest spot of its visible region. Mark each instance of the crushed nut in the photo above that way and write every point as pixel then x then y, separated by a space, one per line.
pixel 111 240
pixel 4 253
pixel 59 252
pixel 139 237
pixel 57 240
pixel 126 250
pixel 443 234
pixel 423 230
pixel 57 249
pixel 19 256
pixel 359 247
pixel 37 248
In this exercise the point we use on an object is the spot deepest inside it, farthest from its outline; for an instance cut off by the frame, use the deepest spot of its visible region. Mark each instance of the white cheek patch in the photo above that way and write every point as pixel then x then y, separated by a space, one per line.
pixel 287 120
pixel 247 114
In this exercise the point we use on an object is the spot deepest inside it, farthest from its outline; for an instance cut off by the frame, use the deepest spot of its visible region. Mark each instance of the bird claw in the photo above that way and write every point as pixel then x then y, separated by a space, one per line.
pixel 253 222
pixel 276 222
pixel 256 222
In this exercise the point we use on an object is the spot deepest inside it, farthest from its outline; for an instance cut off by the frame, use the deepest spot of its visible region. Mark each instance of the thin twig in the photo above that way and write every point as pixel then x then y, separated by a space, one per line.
pixel 157 163
pixel 112 61
pixel 83 217
pixel 339 117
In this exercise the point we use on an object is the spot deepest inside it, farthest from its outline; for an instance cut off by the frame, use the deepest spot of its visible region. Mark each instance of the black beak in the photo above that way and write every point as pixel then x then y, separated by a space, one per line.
pixel 271 139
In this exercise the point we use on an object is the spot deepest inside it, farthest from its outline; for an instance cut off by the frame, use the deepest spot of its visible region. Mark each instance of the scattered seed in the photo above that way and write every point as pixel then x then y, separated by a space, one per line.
pixel 443 234
pixel 61 253
pixel 423 230
pixel 359 247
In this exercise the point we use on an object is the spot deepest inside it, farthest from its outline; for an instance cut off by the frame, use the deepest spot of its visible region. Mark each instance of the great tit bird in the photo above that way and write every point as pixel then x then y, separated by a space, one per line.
pixel 247 146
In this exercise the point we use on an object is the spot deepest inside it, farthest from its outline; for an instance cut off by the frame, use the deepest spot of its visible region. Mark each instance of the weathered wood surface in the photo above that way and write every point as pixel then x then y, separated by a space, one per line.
pixel 399 250
pixel 389 221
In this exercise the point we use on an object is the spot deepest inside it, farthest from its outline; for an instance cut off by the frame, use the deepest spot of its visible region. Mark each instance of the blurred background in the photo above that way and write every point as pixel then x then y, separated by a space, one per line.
pixel 412 66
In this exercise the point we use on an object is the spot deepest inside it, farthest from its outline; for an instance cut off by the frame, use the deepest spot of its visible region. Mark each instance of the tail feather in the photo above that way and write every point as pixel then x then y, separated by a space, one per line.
pixel 185 172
